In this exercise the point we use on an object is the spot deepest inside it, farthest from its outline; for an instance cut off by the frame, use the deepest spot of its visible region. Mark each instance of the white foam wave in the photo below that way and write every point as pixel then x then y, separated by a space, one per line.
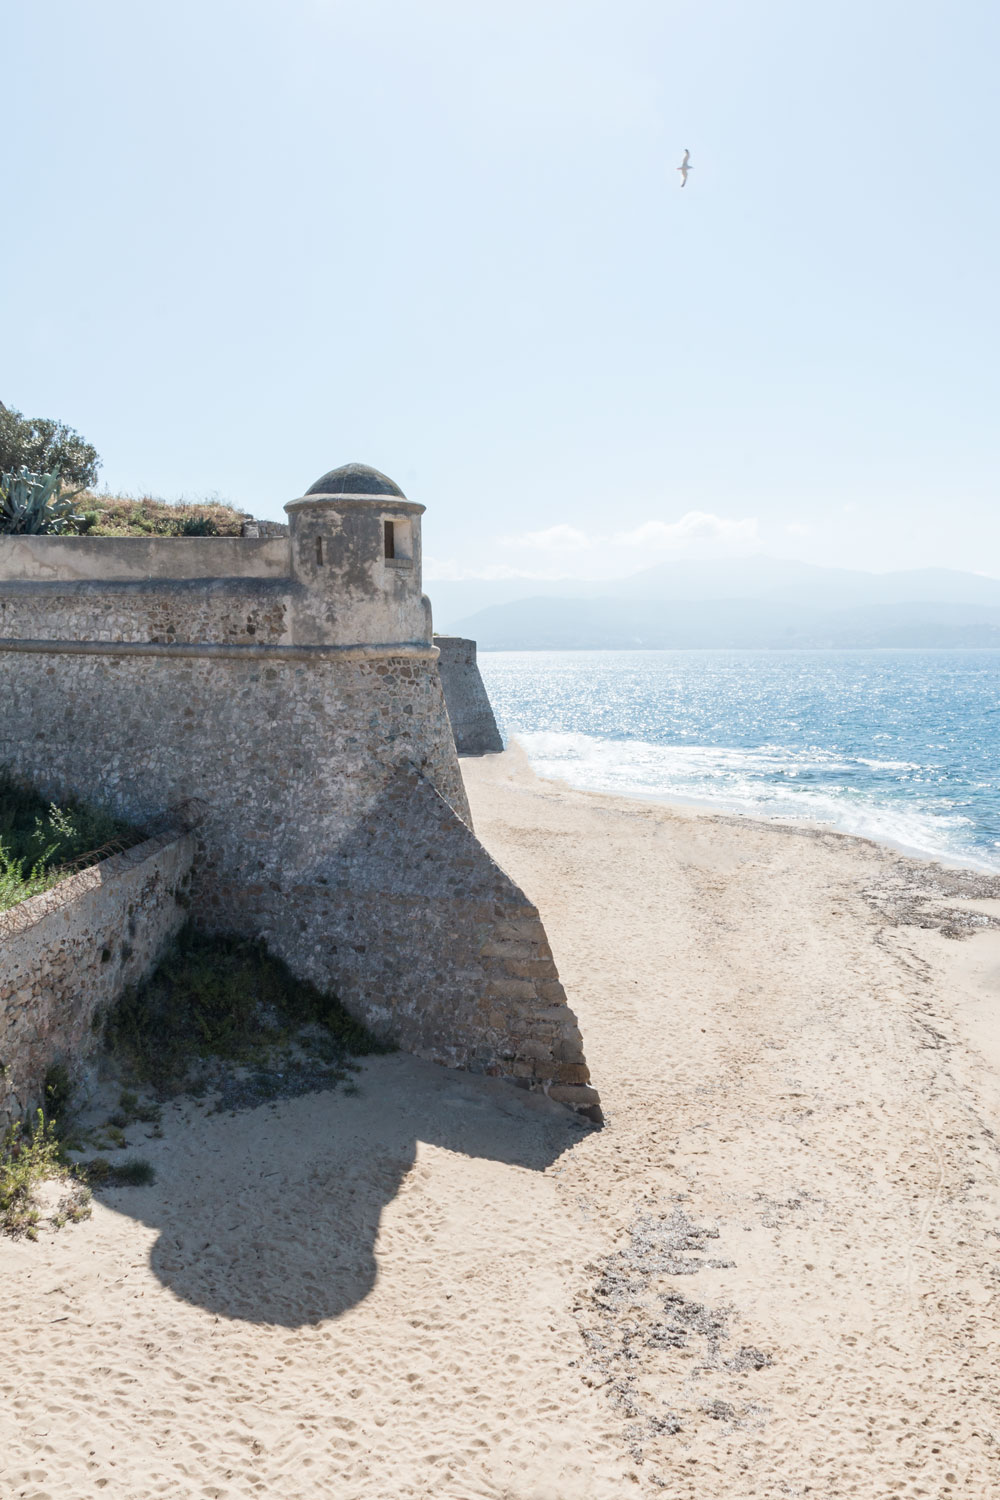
pixel 809 785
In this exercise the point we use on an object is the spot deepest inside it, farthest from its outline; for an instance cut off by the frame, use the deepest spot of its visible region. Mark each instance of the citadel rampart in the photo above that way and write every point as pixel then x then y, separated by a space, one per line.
pixel 466 699
pixel 288 688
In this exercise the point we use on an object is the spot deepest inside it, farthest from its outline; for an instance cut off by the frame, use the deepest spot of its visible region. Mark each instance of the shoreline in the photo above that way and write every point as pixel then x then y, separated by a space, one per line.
pixel 719 809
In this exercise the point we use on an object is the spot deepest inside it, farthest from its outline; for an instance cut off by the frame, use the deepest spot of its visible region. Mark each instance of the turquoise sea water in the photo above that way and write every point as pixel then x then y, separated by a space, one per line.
pixel 901 746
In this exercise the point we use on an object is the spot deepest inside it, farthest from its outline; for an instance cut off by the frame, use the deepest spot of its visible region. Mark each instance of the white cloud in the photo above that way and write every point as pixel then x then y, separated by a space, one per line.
pixel 561 538
pixel 797 528
pixel 569 551
pixel 447 570
pixel 695 526
pixel 696 529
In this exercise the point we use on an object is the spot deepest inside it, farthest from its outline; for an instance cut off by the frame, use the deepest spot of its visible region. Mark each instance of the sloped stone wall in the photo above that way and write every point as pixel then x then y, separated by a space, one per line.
pixel 428 941
pixel 69 952
pixel 282 755
pixel 469 707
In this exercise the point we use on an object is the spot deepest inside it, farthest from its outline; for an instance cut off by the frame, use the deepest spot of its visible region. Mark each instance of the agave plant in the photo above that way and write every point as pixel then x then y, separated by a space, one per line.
pixel 32 505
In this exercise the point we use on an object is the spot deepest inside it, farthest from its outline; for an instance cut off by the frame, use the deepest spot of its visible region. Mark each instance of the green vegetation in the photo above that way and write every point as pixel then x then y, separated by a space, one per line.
pixel 45 446
pixel 226 997
pixel 217 1011
pixel 37 1153
pixel 26 1159
pixel 39 840
pixel 123 515
pixel 133 1173
pixel 58 1093
pixel 34 505
pixel 131 1108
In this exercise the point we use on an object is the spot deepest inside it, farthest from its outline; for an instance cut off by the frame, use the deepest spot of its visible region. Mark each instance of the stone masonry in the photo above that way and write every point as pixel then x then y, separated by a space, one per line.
pixel 468 704
pixel 67 954
pixel 296 699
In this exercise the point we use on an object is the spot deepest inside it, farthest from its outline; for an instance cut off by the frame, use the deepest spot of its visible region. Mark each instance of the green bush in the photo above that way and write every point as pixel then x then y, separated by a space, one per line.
pixel 26 1159
pixel 46 446
pixel 58 1094
pixel 136 1172
pixel 199 526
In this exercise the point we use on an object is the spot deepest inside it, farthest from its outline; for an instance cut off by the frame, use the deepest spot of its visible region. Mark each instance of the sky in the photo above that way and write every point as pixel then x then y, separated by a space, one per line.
pixel 249 241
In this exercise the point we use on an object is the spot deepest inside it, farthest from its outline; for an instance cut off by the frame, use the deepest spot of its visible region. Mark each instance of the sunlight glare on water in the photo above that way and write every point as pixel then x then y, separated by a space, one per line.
pixel 901 746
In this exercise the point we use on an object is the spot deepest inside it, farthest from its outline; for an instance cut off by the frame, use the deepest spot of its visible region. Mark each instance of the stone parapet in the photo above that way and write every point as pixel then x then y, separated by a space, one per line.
pixel 107 559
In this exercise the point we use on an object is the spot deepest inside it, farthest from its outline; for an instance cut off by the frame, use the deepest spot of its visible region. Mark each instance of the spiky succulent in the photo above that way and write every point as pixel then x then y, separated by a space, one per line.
pixel 33 505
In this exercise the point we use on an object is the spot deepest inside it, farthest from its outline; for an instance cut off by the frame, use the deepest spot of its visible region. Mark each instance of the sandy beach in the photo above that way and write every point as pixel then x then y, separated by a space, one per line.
pixel 774 1272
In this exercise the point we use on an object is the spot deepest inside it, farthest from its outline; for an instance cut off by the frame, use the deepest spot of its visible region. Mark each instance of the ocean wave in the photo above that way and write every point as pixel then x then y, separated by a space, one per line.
pixel 900 746
pixel 792 783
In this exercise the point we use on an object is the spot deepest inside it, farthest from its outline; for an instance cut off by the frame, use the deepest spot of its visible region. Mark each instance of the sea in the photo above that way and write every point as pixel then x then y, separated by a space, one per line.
pixel 901 746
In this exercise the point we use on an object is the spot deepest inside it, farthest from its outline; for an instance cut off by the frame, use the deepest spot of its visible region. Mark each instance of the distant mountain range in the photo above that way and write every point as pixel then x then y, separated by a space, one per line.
pixel 733 602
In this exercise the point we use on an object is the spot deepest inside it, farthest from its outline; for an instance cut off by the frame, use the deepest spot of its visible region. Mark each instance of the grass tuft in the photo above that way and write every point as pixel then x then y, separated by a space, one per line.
pixel 39 839
pixel 127 515
pixel 224 997
pixel 27 1158
pixel 99 1172
pixel 31 1155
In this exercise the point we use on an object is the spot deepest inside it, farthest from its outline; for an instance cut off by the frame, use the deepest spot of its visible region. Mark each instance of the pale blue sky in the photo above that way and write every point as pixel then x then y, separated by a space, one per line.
pixel 246 241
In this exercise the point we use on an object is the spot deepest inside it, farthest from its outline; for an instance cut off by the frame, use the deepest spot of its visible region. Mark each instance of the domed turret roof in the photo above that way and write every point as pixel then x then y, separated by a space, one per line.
pixel 355 479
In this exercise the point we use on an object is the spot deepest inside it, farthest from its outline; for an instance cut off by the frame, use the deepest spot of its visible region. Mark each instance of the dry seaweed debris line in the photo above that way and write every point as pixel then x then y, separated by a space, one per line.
pixel 640 1316
pixel 910 894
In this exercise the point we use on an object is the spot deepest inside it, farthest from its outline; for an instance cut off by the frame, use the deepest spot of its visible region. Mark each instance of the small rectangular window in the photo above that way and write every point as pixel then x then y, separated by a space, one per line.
pixel 319 551
pixel 390 538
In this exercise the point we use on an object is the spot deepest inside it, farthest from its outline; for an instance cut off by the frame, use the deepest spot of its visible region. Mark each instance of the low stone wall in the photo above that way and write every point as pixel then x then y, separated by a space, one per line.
pixel 469 708
pixel 69 952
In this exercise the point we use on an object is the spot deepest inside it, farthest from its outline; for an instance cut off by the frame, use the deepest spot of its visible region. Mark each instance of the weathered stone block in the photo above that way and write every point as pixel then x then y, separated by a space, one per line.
pixel 574 1094
pixel 533 969
pixel 469 708
pixel 574 1072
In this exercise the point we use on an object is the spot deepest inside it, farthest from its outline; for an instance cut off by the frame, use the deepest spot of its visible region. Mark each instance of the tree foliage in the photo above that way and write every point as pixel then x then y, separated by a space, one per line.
pixel 45 446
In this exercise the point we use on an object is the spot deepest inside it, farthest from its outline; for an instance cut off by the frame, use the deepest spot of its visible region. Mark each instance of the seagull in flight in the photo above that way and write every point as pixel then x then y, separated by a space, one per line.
pixel 685 166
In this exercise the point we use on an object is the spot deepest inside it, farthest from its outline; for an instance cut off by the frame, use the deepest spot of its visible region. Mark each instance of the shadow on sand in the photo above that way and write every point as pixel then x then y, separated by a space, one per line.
pixel 271 1215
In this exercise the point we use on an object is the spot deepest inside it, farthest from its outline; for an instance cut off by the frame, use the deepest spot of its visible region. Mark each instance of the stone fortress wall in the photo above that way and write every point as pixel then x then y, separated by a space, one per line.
pixel 70 952
pixel 466 699
pixel 288 689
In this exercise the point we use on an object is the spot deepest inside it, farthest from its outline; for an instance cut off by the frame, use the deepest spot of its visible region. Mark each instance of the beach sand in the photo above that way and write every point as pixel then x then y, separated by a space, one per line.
pixel 773 1273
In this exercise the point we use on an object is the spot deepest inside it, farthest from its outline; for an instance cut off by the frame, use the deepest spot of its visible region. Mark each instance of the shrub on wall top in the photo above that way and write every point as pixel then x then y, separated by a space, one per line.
pixel 33 505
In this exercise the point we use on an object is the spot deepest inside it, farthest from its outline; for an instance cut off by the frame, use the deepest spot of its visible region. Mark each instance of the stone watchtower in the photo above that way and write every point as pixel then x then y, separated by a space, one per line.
pixel 356 552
